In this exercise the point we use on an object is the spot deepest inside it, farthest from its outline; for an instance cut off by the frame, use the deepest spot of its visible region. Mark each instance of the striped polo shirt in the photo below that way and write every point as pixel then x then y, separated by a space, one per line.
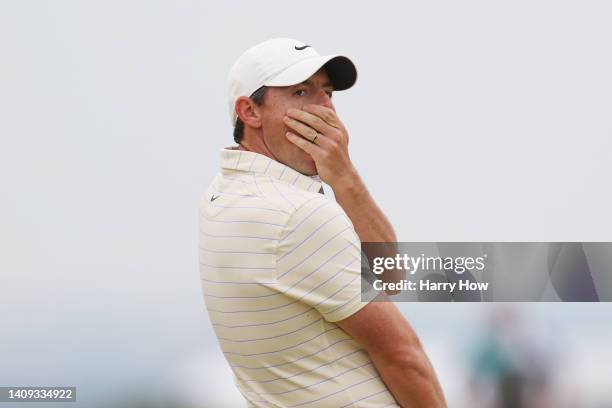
pixel 279 264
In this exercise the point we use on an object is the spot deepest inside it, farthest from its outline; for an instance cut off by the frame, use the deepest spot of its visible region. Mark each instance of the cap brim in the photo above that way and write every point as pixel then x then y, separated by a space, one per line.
pixel 341 71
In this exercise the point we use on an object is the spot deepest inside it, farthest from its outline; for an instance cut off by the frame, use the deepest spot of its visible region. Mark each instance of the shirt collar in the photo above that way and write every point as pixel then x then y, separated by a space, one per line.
pixel 233 158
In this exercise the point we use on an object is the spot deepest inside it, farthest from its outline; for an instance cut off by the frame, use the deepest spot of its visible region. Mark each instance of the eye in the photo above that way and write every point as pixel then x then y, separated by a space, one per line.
pixel 329 93
pixel 300 92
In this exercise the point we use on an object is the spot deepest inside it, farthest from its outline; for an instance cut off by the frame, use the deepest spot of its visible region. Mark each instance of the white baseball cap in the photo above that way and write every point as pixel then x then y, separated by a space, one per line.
pixel 284 62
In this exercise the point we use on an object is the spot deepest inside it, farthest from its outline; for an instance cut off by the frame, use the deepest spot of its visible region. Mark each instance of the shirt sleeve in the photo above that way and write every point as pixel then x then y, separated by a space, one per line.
pixel 319 260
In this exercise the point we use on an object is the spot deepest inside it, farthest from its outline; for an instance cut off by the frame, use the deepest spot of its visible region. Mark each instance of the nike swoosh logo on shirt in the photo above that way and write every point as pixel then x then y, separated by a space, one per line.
pixel 213 198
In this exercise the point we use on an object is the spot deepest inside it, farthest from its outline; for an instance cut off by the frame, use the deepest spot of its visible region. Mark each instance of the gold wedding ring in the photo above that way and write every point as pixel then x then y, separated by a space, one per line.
pixel 315 138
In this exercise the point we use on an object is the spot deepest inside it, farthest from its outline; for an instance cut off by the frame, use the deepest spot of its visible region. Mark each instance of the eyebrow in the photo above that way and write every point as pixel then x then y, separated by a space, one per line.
pixel 308 82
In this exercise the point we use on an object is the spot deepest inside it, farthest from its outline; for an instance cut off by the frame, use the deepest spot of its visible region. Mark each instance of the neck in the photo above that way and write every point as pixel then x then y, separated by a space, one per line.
pixel 256 143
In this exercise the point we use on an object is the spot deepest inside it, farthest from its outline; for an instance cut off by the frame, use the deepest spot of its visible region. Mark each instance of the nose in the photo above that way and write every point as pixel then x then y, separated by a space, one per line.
pixel 322 98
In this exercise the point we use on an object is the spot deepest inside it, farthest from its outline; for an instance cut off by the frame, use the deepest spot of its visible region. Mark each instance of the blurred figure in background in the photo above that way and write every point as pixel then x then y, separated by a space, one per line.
pixel 511 364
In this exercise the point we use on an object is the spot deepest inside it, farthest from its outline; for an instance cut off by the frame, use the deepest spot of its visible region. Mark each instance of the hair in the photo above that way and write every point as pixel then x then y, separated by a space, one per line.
pixel 258 98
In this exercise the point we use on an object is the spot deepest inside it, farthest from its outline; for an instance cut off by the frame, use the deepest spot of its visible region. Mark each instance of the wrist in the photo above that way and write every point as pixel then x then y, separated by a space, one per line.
pixel 350 185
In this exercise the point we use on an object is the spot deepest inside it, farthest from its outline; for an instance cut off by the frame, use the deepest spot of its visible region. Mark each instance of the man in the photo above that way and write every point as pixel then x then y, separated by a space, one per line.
pixel 280 262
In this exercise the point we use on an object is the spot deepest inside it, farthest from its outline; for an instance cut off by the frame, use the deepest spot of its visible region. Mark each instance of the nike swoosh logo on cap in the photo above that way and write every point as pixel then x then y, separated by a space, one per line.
pixel 302 47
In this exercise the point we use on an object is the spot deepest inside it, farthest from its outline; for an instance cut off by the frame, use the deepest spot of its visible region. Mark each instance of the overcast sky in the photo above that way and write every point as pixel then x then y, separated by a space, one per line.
pixel 470 121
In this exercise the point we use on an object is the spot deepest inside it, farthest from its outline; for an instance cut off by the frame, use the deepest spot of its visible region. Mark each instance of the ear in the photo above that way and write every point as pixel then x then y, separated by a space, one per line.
pixel 248 112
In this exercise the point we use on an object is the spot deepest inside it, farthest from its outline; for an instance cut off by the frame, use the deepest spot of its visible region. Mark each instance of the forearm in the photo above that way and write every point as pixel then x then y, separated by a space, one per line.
pixel 413 383
pixel 370 222
pixel 411 379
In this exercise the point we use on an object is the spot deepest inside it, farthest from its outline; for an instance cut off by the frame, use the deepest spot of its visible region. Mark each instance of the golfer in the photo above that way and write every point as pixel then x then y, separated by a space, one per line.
pixel 280 262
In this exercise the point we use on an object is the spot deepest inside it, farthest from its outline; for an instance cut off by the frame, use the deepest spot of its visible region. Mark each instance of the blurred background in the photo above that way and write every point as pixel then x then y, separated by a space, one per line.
pixel 496 116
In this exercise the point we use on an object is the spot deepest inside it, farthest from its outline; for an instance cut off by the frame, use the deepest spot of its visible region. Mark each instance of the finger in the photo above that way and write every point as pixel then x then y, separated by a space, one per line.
pixel 309 133
pixel 336 131
pixel 310 148
pixel 301 128
pixel 309 119
pixel 325 113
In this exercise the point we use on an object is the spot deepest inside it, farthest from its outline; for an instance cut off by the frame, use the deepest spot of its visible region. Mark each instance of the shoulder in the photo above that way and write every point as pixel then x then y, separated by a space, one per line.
pixel 318 209
pixel 284 195
pixel 317 220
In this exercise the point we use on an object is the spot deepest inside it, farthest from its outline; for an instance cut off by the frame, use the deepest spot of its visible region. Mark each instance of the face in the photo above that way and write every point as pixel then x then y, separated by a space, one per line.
pixel 315 90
